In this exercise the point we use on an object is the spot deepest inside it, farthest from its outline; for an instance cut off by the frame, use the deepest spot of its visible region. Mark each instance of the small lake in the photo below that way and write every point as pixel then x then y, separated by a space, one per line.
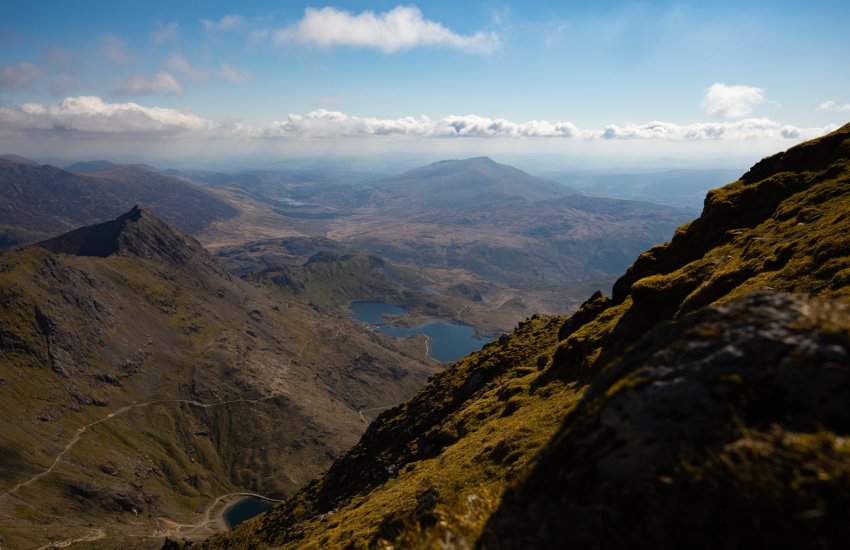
pixel 244 510
pixel 448 341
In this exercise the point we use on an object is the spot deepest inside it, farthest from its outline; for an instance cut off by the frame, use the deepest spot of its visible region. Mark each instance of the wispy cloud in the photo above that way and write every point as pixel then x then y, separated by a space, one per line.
pixel 834 106
pixel 400 28
pixel 162 82
pixel 21 76
pixel 164 33
pixel 179 63
pixel 113 48
pixel 234 75
pixel 556 34
pixel 226 23
pixel 729 102
pixel 89 114
pixel 63 84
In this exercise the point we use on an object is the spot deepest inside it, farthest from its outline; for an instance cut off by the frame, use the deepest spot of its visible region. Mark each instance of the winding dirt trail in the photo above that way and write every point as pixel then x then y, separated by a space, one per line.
pixel 80 431
pixel 95 534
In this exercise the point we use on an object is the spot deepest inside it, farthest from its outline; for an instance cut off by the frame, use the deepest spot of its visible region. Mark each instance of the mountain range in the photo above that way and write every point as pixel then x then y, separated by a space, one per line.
pixel 40 201
pixel 704 403
pixel 488 218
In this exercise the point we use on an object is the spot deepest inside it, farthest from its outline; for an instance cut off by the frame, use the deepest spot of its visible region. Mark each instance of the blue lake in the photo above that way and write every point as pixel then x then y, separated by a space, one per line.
pixel 244 510
pixel 448 341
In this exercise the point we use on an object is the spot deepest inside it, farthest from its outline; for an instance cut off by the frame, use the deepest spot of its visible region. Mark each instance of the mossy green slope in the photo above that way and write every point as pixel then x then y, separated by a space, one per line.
pixel 433 472
pixel 143 381
pixel 332 280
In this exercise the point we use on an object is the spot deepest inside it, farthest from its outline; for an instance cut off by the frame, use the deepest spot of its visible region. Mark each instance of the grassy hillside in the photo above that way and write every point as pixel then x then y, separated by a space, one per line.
pixel 139 382
pixel 677 409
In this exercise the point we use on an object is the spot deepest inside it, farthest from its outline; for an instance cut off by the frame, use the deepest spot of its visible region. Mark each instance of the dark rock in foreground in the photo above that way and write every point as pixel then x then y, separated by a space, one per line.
pixel 727 428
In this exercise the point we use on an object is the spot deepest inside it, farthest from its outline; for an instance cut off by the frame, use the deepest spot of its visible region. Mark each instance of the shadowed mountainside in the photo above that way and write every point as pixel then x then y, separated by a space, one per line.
pixel 40 201
pixel 683 409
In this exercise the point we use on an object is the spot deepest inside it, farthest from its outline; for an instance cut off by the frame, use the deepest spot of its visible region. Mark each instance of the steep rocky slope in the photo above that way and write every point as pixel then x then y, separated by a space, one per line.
pixel 139 382
pixel 676 412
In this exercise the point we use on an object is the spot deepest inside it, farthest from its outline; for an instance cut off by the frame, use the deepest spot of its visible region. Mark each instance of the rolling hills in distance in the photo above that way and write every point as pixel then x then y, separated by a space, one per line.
pixel 494 235
pixel 685 189
pixel 705 403
pixel 147 383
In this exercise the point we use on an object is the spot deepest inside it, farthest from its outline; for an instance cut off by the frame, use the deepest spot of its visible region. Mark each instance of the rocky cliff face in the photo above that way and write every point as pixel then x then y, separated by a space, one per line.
pixel 683 410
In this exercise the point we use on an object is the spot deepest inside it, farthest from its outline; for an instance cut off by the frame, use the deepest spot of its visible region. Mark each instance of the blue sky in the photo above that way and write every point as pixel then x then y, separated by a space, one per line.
pixel 605 79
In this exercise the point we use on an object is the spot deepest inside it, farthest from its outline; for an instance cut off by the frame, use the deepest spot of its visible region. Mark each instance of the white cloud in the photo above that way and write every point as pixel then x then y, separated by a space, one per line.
pixel 164 33
pixel 21 76
pixel 332 124
pixel 113 48
pixel 180 64
pixel 833 106
pixel 162 82
pixel 226 23
pixel 92 115
pixel 401 28
pixel 234 75
pixel 731 101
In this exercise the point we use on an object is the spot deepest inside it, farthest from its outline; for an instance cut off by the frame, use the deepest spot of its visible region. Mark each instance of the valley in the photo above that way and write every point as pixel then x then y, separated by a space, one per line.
pixel 152 381
pixel 711 385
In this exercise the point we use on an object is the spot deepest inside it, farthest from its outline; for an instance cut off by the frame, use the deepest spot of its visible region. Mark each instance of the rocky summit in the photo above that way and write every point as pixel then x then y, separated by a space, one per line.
pixel 705 403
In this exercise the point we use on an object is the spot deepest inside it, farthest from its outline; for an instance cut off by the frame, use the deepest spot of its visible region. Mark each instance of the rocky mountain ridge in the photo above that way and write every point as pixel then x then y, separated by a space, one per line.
pixel 140 382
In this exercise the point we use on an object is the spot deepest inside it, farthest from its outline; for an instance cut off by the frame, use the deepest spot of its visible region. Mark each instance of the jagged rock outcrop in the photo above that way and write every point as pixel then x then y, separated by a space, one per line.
pixel 136 233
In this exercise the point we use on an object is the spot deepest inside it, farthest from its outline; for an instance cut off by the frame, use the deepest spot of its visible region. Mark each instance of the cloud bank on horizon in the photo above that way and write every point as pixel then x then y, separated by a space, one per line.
pixel 663 73
pixel 92 115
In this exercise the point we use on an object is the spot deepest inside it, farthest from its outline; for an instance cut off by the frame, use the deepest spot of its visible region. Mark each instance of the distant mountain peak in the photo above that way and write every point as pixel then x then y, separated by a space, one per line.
pixel 134 233
pixel 471 160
